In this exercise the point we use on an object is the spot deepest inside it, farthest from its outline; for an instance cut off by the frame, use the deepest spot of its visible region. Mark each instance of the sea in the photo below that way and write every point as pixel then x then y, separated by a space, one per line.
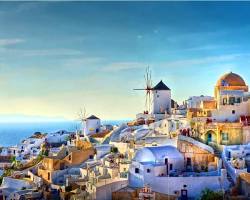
pixel 13 133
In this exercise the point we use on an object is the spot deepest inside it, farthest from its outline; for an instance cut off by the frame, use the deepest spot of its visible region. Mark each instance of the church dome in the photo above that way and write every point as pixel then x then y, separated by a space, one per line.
pixel 157 154
pixel 231 79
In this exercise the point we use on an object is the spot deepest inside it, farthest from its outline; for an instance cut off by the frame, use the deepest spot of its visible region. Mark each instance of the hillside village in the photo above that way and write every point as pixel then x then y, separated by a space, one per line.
pixel 168 151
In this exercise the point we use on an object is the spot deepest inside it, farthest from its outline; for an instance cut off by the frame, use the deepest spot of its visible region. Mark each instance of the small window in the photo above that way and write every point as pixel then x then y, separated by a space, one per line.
pixel 158 96
pixel 91 156
pixel 137 171
pixel 148 170
pixel 224 101
pixel 48 175
pixel 69 157
pixel 231 100
pixel 171 167
pixel 225 136
pixel 233 111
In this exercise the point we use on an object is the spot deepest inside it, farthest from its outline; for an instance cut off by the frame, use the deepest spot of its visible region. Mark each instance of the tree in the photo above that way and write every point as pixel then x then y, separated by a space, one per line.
pixel 208 194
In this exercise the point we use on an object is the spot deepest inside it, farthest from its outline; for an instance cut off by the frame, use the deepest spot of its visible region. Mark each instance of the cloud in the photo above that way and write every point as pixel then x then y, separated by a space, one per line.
pixel 82 61
pixel 156 31
pixel 139 37
pixel 122 66
pixel 39 52
pixel 51 52
pixel 8 42
pixel 209 47
pixel 204 60
pixel 5 50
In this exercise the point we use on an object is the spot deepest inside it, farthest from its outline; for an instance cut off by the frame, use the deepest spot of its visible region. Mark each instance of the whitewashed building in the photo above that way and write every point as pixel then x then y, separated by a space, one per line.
pixel 150 162
pixel 91 125
pixel 161 99
pixel 196 101
pixel 163 169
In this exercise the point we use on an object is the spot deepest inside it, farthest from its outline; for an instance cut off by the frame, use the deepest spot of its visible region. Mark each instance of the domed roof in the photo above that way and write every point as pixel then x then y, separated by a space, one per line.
pixel 157 154
pixel 231 79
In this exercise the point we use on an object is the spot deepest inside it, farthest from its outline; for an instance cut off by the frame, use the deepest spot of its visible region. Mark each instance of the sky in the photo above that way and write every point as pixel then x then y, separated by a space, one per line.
pixel 58 57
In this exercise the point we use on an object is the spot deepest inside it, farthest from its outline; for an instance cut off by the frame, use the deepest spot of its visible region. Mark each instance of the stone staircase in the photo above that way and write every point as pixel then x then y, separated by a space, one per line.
pixel 217 152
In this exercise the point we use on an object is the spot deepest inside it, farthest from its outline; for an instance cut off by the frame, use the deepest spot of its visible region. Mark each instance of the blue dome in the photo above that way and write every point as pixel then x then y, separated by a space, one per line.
pixel 157 154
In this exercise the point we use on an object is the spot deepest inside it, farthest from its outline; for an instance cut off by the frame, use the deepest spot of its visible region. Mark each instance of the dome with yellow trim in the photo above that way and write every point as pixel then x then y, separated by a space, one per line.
pixel 231 79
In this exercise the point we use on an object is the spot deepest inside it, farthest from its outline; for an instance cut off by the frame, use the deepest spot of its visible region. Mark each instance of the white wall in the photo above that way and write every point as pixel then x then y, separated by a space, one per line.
pixel 195 185
pixel 161 101
pixel 168 185
pixel 195 101
pixel 105 192
pixel 225 112
pixel 91 125
pixel 143 177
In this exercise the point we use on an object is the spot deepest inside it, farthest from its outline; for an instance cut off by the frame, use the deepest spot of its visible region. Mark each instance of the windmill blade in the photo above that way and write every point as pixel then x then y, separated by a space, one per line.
pixel 147 76
pixel 148 88
pixel 150 102
pixel 84 112
pixel 150 80
pixel 82 115
pixel 146 101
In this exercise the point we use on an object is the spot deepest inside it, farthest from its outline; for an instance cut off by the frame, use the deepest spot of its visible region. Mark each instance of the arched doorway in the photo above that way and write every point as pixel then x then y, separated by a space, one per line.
pixel 210 137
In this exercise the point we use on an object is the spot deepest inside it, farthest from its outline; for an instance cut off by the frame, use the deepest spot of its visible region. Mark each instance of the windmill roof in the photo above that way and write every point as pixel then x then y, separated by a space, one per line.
pixel 92 117
pixel 161 86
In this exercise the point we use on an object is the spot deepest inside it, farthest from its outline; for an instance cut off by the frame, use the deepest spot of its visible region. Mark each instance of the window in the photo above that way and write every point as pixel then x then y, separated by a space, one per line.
pixel 224 101
pixel 148 170
pixel 48 175
pixel 231 100
pixel 158 96
pixel 238 100
pixel 137 171
pixel 233 111
pixel 91 156
pixel 69 157
pixel 171 167
pixel 225 136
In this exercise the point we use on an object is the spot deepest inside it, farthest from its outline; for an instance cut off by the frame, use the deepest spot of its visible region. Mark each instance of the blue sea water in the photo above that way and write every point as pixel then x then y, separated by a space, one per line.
pixel 13 133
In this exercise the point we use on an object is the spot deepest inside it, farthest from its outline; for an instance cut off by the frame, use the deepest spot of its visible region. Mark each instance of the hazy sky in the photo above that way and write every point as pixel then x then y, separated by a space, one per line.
pixel 56 57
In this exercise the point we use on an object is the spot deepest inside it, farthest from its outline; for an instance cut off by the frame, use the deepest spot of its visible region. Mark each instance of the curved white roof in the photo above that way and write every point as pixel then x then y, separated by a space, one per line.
pixel 157 154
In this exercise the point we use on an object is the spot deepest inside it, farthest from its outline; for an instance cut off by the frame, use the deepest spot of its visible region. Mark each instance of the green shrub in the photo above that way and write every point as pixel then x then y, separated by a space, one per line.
pixel 208 194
